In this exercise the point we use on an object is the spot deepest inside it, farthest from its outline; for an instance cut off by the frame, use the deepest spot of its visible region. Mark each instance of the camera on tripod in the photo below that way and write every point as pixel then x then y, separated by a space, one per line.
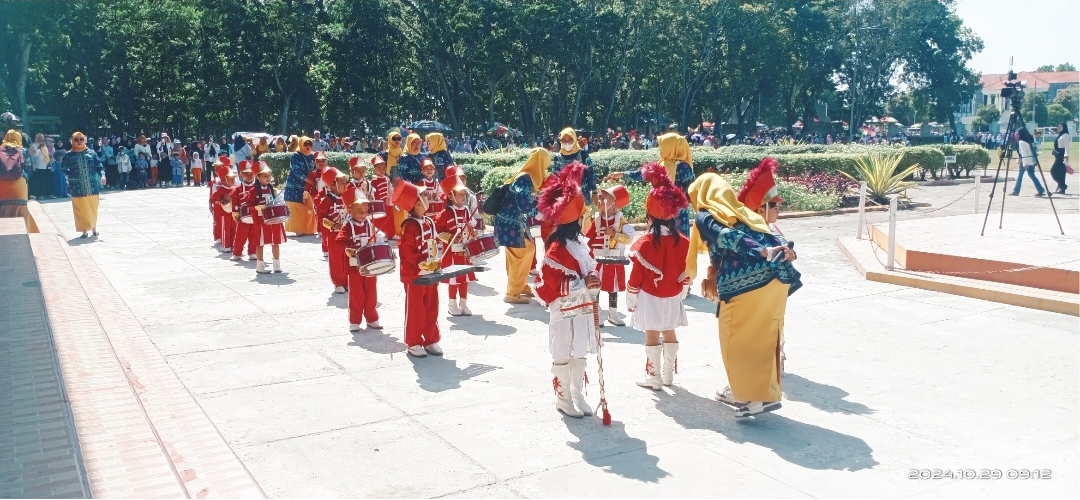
pixel 1013 90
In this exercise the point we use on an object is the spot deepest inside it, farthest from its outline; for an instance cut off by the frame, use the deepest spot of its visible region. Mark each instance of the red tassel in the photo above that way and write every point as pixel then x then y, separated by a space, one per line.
pixel 607 417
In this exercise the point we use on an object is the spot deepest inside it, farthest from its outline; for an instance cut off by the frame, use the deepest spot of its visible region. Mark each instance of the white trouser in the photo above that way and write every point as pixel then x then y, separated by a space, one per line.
pixel 569 337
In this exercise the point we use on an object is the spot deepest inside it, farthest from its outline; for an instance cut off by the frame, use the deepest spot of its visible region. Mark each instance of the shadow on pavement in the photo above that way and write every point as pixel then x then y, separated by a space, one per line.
pixel 377 341
pixel 79 241
pixel 475 288
pixel 622 334
pixel 699 304
pixel 480 327
pixel 281 278
pixel 612 450
pixel 805 445
pixel 532 311
pixel 438 374
pixel 821 396
pixel 338 300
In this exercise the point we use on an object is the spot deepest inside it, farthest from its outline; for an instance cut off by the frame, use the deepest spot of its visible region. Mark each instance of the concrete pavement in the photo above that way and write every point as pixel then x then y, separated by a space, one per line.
pixel 881 379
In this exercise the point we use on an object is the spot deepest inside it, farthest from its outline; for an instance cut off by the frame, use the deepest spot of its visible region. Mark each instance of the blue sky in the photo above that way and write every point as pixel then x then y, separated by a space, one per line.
pixel 1034 32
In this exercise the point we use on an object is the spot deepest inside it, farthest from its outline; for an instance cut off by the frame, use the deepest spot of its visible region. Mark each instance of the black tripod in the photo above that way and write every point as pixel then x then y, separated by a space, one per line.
pixel 1005 157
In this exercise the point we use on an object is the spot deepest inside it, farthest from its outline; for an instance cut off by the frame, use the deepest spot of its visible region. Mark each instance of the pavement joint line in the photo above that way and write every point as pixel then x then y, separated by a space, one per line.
pixel 325 431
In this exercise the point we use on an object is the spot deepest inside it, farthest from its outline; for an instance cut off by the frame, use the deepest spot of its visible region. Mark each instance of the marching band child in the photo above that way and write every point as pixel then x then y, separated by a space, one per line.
pixel 431 187
pixel 418 248
pixel 222 198
pixel 610 231
pixel 658 280
pixel 245 231
pixel 472 203
pixel 358 169
pixel 456 226
pixel 331 213
pixel 258 197
pixel 567 276
pixel 319 190
pixel 383 190
pixel 358 232
pixel 214 186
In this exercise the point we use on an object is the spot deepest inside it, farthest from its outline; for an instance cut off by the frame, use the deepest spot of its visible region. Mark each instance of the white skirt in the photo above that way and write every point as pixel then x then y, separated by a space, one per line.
pixel 658 313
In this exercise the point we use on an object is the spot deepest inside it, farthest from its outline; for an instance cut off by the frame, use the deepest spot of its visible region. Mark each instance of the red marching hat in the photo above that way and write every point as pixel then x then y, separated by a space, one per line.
pixel 355 162
pixel 760 185
pixel 621 195
pixel 561 200
pixel 405 195
pixel 330 174
pixel 245 166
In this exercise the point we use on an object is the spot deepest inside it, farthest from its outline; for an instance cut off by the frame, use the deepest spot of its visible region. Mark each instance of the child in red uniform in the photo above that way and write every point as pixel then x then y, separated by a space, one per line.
pixel 358 169
pixel 245 231
pixel 610 231
pixel 383 190
pixel 567 273
pixel 319 189
pixel 658 280
pixel 418 247
pixel 257 197
pixel 358 232
pixel 222 196
pixel 331 213
pixel 214 208
pixel 431 188
pixel 456 224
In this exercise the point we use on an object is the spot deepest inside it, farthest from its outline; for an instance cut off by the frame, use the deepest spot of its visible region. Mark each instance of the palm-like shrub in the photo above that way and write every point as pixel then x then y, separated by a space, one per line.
pixel 880 171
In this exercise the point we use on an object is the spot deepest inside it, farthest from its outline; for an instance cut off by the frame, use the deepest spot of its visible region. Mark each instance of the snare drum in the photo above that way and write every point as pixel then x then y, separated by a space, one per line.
pixel 275 214
pixel 481 247
pixel 374 260
pixel 611 253
pixel 377 209
pixel 245 214
pixel 435 207
pixel 479 224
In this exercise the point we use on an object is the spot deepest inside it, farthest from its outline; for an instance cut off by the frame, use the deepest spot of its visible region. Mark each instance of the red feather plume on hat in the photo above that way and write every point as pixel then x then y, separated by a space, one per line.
pixel 553 199
pixel 665 199
pixel 768 164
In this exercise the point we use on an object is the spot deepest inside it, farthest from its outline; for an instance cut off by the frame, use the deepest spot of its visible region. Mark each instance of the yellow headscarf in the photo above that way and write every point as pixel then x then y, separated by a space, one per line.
pixel 569 131
pixel 435 142
pixel 294 143
pixel 300 145
pixel 673 149
pixel 711 192
pixel 76 147
pixel 392 152
pixel 413 137
pixel 535 167
pixel 12 139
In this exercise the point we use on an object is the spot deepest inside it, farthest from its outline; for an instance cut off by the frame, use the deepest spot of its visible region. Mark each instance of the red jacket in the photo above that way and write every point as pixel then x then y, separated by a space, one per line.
pixel 381 189
pixel 557 270
pixel 218 191
pixel 417 237
pixel 256 195
pixel 332 207
pixel 357 234
pixel 659 271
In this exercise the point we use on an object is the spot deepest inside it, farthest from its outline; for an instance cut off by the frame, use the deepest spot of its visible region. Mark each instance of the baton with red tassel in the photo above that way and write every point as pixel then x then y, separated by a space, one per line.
pixel 600 360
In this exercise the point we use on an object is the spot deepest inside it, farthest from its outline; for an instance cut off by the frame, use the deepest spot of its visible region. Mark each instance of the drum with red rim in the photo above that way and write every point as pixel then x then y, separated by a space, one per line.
pixel 374 260
pixel 481 247
pixel 245 214
pixel 377 209
pixel 275 214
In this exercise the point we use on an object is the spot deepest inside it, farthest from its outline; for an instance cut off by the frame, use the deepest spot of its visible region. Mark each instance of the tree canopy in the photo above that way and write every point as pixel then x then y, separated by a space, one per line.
pixel 289 65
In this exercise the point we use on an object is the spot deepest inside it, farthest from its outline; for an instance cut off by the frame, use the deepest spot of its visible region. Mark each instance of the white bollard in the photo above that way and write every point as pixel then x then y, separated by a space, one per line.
pixel 862 209
pixel 892 232
pixel 977 181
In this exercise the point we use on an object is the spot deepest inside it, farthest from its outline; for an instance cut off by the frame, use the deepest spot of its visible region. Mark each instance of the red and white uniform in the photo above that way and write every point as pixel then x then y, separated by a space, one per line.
pixel 658 282
pixel 363 185
pixel 418 238
pixel 363 290
pixel 382 190
pixel 612 276
pixel 575 336
pixel 224 225
pixel 244 232
pixel 268 234
pixel 433 194
pixel 454 220
pixel 331 210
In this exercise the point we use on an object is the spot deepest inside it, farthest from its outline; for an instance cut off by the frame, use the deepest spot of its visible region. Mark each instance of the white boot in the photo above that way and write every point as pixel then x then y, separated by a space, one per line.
pixel 615 318
pixel 260 267
pixel 601 316
pixel 671 362
pixel 464 307
pixel 277 265
pixel 561 382
pixel 452 307
pixel 652 363
pixel 577 382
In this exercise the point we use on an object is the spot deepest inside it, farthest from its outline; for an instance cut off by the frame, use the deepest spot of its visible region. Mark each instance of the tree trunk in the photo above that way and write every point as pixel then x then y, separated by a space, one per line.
pixel 19 103
pixel 446 92
pixel 283 123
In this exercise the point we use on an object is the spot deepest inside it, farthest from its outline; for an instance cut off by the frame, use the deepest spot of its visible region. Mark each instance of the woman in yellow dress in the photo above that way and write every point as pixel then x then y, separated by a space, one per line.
pixel 83 169
pixel 13 189
pixel 754 277
pixel 298 197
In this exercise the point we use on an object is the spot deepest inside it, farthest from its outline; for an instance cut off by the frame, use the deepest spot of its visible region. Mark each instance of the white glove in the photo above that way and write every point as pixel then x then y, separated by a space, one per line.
pixel 685 292
pixel 631 302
